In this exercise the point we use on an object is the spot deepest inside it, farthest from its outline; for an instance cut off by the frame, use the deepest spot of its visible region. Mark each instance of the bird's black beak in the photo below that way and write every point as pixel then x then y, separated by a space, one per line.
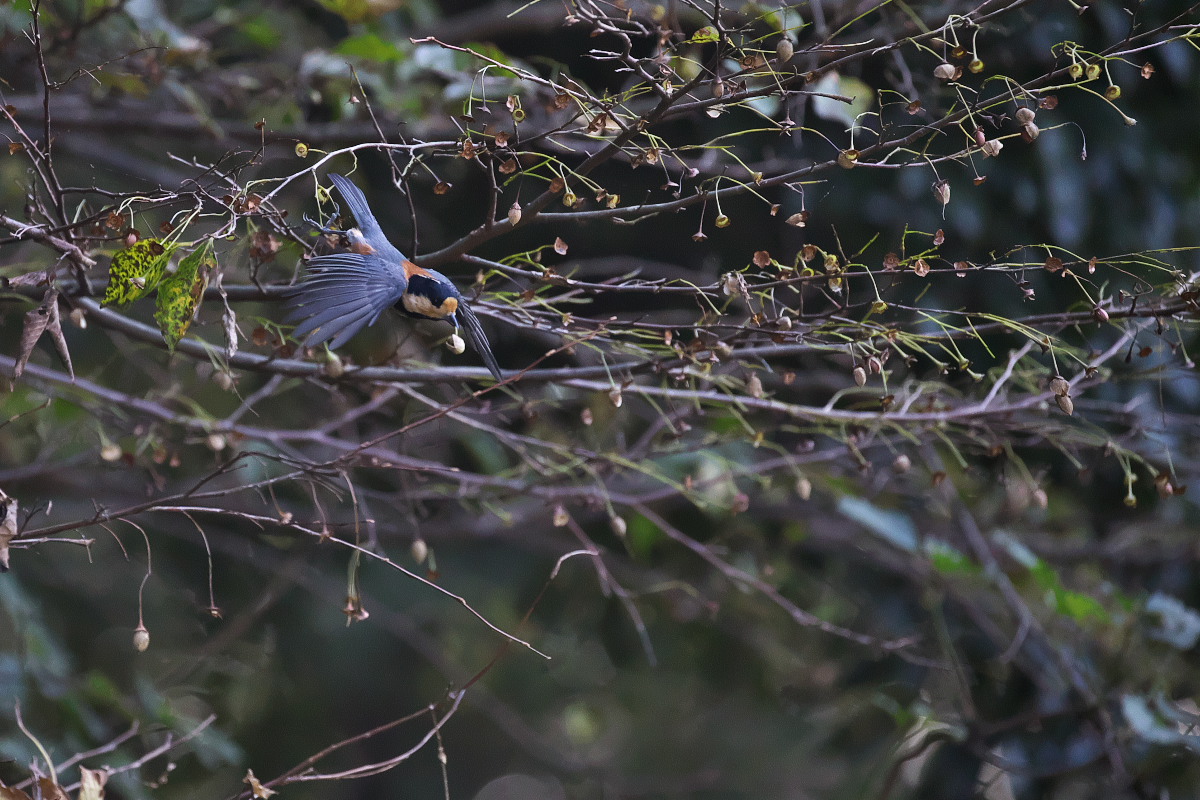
pixel 478 339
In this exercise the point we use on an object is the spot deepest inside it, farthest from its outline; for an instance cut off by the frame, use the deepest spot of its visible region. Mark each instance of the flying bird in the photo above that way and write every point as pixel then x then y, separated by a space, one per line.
pixel 342 293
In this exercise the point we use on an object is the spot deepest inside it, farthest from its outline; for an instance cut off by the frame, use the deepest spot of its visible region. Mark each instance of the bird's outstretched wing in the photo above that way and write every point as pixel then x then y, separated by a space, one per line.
pixel 478 338
pixel 342 294
pixel 363 218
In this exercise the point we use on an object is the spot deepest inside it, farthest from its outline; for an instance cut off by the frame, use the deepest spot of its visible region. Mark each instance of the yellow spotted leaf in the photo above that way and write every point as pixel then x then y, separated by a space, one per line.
pixel 136 270
pixel 179 295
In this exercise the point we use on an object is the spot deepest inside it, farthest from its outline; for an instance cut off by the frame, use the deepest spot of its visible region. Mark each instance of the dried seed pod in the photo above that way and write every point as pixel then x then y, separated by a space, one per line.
pixel 784 50
pixel 1099 314
pixel 754 386
pixel 1113 92
pixel 860 376
pixel 804 488
pixel 561 517
pixel 419 550
pixel 992 147
pixel 847 159
pixel 1025 114
pixel 1059 385
pixel 1030 131
pixel 514 213
pixel 944 72
pixel 1092 71
pixel 456 344
pixel 976 65
pixel 334 366
pixel 141 638
pixel 941 190
pixel 1066 404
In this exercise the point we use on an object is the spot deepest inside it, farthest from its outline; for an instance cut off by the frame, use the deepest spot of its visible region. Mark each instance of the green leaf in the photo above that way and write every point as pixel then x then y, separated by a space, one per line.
pixel 371 47
pixel 136 271
pixel 705 35
pixel 180 294
pixel 1076 605
pixel 948 560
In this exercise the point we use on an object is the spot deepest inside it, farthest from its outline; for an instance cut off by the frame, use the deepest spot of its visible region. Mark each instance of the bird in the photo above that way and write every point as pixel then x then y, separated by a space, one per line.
pixel 342 293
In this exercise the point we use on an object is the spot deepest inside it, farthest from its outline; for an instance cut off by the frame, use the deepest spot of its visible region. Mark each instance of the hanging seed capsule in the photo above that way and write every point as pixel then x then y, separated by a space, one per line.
pixel 860 376
pixel 732 286
pixel 419 550
pixel 456 344
pixel 1066 404
pixel 514 214
pixel 334 366
pixel 976 65
pixel 1059 385
pixel 718 88
pixel 944 72
pixel 1025 114
pixel 804 488
pixel 901 464
pixel 1029 131
pixel 784 50
pixel 1112 92
pixel 141 639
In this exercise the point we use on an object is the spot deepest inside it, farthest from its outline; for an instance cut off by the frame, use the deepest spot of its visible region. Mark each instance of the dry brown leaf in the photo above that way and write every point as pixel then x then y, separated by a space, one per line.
pixel 91 783
pixel 42 319
pixel 256 787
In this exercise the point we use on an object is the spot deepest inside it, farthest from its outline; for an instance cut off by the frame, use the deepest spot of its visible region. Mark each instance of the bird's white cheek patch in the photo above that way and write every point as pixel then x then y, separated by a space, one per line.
pixel 416 304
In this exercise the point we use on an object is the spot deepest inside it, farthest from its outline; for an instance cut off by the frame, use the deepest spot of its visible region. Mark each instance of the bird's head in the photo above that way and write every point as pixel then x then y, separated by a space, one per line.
pixel 431 296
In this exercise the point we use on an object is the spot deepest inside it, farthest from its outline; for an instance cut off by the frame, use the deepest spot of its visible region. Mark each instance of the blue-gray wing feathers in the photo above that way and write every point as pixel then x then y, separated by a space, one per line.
pixel 342 294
